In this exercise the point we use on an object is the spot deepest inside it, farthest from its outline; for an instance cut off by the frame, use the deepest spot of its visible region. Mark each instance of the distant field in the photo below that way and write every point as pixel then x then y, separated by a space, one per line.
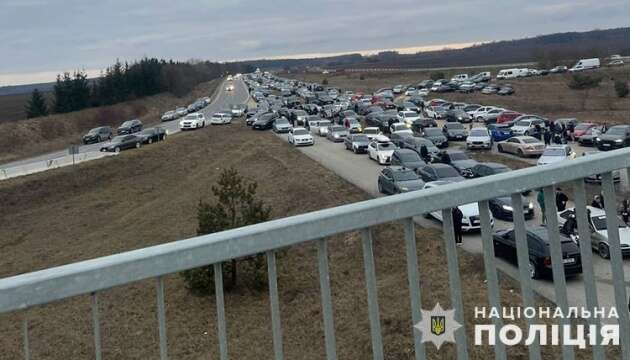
pixel 547 95
pixel 12 107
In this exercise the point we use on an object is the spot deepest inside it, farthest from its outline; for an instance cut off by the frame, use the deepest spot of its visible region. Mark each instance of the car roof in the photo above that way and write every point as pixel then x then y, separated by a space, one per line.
pixel 399 168
pixel 405 151
pixel 594 211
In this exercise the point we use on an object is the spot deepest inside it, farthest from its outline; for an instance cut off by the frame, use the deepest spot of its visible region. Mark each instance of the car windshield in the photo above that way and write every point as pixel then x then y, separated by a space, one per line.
pixel 530 140
pixel 128 123
pixel 405 175
pixel 599 222
pixel 118 139
pixel 360 138
pixel 385 146
pixel 478 132
pixel 522 123
pixel 554 152
pixel 458 156
pixel 94 131
pixel 409 156
pixel 266 117
pixel 300 113
pixel 147 132
pixel 446 172
pixel 409 114
pixel 300 132
pixel 432 132
pixel 282 121
pixel 455 126
pixel 324 123
pixel 616 131
pixel 194 116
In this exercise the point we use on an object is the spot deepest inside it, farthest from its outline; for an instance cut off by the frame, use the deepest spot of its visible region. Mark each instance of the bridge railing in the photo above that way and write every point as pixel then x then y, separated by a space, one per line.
pixel 25 291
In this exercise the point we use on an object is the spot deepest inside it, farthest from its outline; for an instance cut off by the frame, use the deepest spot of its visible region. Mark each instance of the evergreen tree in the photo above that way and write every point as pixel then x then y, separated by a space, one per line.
pixel 36 106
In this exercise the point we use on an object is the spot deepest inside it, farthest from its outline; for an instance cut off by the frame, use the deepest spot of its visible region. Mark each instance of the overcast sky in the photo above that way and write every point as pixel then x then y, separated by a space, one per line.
pixel 39 38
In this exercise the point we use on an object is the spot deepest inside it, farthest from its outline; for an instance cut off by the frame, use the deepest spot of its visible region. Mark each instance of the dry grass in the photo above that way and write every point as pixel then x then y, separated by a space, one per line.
pixel 148 196
pixel 548 96
pixel 13 106
pixel 24 138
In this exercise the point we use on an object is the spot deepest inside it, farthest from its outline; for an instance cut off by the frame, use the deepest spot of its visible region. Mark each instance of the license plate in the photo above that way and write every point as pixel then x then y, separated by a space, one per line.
pixel 606 145
pixel 568 260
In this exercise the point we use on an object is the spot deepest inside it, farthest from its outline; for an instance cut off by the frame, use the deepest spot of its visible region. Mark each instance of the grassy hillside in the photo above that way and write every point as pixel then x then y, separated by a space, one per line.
pixel 20 139
pixel 12 106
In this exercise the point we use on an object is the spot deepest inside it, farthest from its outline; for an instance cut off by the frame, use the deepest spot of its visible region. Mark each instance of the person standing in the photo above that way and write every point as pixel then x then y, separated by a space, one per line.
pixel 541 202
pixel 561 200
pixel 547 136
pixel 598 202
pixel 625 210
pixel 458 217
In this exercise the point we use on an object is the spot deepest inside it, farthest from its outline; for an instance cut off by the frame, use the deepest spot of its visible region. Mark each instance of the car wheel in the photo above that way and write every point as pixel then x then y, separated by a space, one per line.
pixel 117 149
pixel 604 251
pixel 380 188
pixel 138 145
pixel 533 271
pixel 355 150
pixel 526 133
pixel 500 148
pixel 150 141
pixel 520 153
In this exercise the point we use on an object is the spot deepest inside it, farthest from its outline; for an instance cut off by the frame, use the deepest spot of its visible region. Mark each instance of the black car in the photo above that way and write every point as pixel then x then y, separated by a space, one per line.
pixel 417 143
pixel 399 138
pixel 539 252
pixel 454 131
pixel 436 136
pixel 488 168
pixel 347 114
pixel 148 136
pixel 130 127
pixel 407 158
pixel 502 208
pixel 417 126
pixel 265 121
pixel 97 135
pixel 357 143
pixel 122 142
pixel 435 172
pixel 615 138
pixel 506 90
pixel 397 179
pixel 458 160
pixel 458 115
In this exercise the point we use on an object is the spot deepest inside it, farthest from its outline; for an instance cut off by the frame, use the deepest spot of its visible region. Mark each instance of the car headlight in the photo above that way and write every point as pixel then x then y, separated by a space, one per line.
pixel 336 135
pixel 531 205
pixel 507 208
pixel 597 139
pixel 404 188
pixel 618 140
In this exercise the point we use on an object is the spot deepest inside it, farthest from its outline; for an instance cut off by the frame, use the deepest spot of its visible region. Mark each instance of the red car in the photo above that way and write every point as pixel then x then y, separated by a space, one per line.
pixel 507 116
pixel 582 129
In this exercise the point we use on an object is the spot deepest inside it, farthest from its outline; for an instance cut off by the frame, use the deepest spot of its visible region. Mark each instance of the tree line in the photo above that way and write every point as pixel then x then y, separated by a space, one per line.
pixel 123 82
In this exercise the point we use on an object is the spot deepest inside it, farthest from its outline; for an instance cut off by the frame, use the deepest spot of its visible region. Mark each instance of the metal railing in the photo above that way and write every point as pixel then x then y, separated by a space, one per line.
pixel 93 276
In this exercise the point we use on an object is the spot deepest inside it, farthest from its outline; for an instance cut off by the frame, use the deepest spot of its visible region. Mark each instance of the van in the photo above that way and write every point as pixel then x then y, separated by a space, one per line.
pixel 508 74
pixel 460 77
pixel 585 64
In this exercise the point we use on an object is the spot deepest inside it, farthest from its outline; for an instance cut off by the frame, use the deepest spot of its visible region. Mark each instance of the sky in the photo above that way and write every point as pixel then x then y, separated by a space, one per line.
pixel 40 38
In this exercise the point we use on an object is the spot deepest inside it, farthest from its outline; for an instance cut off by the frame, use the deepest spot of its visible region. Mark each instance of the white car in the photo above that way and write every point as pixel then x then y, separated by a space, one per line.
pixel 381 151
pixel 321 127
pixel 556 153
pixel 169 115
pixel 220 118
pixel 526 127
pixel 300 136
pixel 471 220
pixel 480 113
pixel 599 230
pixel 410 91
pixel 229 87
pixel 192 121
pixel 479 138
pixel 372 132
pixel 423 92
pixel 408 117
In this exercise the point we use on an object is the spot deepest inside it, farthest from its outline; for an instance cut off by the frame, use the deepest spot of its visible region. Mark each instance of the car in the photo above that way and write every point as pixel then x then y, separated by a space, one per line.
pixel 581 128
pixel 229 88
pixel 265 121
pixel 458 115
pixel 372 132
pixel 407 158
pixel 500 132
pixel 181 111
pixel 320 128
pixel 408 117
pixel 337 133
pixel 221 118
pixel 281 125
pixel 478 113
pixel 454 131
pixel 505 90
pixel 353 125
pixel 299 136
pixel 468 108
pixel 129 127
pixel 357 143
pixel 400 128
pixel 311 119
pixel 617 62
pixel 558 69
pixel 436 136
pixel 419 125
pixel 192 121
pixel 238 110
pixel 504 242
pixel 150 135
pixel 471 220
pixel 298 117
pixel 122 142
pixel 97 135
pixel 169 115
pixel 526 126
pixel 502 208
pixel 398 179
pixel 417 143
pixel 435 172
pixel 614 138
pixel 488 169
pixel 522 146
pixel 381 151
pixel 459 160
pixel 347 114
pixel 589 136
pixel 599 230
pixel 411 91
pixel 398 89
pixel 490 89
pixel 479 138
pixel 507 117
pixel 556 153
pixel 436 111
pixel 490 116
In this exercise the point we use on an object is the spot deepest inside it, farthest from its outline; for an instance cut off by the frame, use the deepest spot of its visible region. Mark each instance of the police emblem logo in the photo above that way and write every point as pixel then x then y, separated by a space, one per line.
pixel 433 327
pixel 438 325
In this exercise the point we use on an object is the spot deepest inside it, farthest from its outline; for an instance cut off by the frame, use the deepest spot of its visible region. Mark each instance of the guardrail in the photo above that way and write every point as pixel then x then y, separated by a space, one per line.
pixel 21 292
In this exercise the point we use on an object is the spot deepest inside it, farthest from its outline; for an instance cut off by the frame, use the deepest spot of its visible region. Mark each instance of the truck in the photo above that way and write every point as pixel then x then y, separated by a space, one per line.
pixel 585 64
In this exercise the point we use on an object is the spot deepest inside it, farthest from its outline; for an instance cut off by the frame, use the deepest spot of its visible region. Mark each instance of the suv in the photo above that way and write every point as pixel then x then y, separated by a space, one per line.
pixel 97 135
pixel 129 127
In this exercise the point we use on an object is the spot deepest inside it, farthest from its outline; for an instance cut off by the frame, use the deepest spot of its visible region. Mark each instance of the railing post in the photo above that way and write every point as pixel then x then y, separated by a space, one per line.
pixel 586 252
pixel 414 285
pixel 492 278
pixel 324 285
pixel 222 329
pixel 370 279
pixel 522 254
pixel 25 343
pixel 616 261
pixel 275 306
pixel 161 318
pixel 557 265
pixel 96 327
pixel 455 282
